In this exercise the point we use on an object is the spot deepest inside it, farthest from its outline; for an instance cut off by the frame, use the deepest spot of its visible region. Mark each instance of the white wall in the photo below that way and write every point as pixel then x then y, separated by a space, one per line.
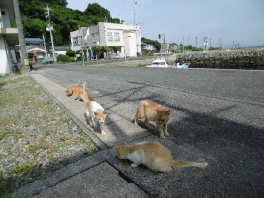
pixel 4 64
pixel 5 17
pixel 60 52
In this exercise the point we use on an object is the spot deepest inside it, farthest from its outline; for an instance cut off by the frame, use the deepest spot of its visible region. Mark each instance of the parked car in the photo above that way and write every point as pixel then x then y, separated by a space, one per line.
pixel 48 60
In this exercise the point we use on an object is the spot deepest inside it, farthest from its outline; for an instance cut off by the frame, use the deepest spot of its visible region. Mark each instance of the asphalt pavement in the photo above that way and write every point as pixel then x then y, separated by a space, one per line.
pixel 226 132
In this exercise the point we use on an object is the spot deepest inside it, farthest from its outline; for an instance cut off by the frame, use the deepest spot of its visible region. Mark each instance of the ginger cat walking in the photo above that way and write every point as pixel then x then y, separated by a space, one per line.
pixel 152 111
pixel 77 91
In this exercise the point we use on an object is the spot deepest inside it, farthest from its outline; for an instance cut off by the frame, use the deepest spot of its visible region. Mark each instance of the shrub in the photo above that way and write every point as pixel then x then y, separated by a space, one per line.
pixel 70 53
pixel 79 58
pixel 71 59
pixel 63 58
pixel 30 66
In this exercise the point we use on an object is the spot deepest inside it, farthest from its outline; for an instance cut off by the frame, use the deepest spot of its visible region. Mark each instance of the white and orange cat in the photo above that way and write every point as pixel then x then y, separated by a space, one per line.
pixel 95 112
pixel 153 155
pixel 152 111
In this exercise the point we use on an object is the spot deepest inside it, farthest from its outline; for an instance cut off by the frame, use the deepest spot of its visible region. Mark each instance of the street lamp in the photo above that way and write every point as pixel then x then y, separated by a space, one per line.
pixel 125 46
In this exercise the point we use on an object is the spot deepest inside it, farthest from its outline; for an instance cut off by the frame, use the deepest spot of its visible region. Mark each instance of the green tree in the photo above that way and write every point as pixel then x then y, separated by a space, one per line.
pixel 34 28
pixel 71 53
pixel 64 20
pixel 97 13
pixel 156 44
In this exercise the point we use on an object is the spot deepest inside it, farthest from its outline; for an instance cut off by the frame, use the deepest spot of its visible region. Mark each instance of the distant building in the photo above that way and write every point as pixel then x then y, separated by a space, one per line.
pixel 165 48
pixel 8 38
pixel 60 50
pixel 35 50
pixel 147 47
pixel 34 42
pixel 108 34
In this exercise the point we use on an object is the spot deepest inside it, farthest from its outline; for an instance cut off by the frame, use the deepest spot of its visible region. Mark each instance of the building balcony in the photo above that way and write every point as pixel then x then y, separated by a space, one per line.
pixel 11 36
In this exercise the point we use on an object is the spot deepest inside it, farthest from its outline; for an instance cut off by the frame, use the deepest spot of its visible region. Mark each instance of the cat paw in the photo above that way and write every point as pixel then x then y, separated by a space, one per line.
pixel 134 165
pixel 162 136
pixel 149 127
pixel 103 133
pixel 167 134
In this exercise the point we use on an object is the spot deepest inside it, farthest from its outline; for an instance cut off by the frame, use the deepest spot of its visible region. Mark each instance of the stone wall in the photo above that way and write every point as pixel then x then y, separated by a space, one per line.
pixel 234 59
pixel 131 62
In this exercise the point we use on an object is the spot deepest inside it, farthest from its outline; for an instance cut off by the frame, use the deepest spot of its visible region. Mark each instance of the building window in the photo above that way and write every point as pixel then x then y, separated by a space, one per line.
pixel 40 55
pixel 77 40
pixel 109 36
pixel 95 38
pixel 116 36
pixel 31 56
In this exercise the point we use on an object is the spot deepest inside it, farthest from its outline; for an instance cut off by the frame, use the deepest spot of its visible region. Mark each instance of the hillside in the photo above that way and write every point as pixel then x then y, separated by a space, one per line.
pixel 64 19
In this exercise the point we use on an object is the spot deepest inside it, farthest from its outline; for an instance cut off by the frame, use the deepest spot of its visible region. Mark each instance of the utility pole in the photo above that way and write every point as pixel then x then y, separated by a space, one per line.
pixel 196 41
pixel 82 48
pixel 220 43
pixel 21 38
pixel 183 44
pixel 164 37
pixel 49 28
pixel 210 42
pixel 44 44
pixel 135 23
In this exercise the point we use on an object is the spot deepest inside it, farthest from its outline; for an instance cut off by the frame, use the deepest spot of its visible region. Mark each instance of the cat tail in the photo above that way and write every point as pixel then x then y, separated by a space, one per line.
pixel 86 99
pixel 93 92
pixel 176 164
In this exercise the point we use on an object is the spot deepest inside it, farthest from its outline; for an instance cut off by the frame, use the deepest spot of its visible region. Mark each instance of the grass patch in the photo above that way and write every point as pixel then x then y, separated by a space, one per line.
pixel 34 133
pixel 64 138
pixel 26 167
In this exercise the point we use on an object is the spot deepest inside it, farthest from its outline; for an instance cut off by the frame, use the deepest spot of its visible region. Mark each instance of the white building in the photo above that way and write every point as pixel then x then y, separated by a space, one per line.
pixel 148 47
pixel 8 37
pixel 108 34
pixel 165 48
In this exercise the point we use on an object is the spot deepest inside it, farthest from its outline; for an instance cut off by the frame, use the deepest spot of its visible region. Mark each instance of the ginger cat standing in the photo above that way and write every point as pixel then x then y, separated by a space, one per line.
pixel 153 155
pixel 95 112
pixel 77 91
pixel 152 111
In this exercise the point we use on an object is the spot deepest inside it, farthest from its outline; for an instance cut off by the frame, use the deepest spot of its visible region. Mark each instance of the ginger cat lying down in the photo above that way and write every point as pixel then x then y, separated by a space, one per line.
pixel 152 111
pixel 77 91
pixel 153 155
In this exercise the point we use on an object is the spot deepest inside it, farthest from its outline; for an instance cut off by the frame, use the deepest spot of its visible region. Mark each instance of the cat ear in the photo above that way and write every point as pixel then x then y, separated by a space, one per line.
pixel 95 113
pixel 104 111
pixel 125 142
pixel 168 112
pixel 116 147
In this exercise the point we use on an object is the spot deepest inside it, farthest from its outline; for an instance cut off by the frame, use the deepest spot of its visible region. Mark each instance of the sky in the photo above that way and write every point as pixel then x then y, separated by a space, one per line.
pixel 230 22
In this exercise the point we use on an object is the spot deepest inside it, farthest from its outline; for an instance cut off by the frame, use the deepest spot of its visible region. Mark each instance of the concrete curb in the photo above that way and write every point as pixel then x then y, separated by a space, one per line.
pixel 96 140
pixel 61 175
